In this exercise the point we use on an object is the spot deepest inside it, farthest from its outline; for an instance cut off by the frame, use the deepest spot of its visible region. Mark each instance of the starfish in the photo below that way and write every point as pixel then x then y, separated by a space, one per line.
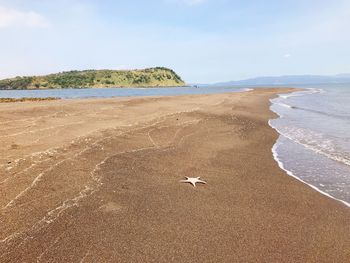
pixel 193 181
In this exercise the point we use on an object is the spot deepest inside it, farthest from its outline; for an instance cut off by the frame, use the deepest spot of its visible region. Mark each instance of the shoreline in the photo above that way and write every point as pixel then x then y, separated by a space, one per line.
pixel 98 179
pixel 280 163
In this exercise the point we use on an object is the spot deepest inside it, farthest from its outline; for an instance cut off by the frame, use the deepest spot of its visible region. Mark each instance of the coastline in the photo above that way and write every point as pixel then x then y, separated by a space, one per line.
pixel 116 92
pixel 122 200
pixel 274 148
pixel 280 163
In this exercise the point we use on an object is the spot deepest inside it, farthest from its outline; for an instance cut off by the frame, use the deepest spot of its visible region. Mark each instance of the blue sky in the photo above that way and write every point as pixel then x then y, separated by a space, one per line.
pixel 204 41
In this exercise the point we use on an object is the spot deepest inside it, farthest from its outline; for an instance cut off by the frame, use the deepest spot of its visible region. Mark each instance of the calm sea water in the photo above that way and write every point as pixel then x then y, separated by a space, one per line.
pixel 314 145
pixel 113 92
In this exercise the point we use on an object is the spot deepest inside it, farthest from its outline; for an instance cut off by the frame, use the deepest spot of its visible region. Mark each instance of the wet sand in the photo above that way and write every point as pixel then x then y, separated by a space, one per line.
pixel 98 181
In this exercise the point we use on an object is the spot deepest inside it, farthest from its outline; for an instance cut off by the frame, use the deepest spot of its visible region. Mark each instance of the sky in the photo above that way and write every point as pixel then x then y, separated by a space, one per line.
pixel 204 41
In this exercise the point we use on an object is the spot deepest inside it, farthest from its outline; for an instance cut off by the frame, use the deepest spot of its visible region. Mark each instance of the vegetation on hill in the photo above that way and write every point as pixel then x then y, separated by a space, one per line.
pixel 152 77
pixel 7 100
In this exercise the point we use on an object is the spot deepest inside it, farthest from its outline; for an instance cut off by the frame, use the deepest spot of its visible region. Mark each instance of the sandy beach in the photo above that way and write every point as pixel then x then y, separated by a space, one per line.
pixel 97 180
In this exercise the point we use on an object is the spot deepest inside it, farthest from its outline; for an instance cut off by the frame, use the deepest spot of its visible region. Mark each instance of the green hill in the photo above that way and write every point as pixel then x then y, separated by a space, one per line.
pixel 151 77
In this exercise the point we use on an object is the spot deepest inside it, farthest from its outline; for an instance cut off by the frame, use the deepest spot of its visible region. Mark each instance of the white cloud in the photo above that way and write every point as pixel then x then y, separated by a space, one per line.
pixel 287 55
pixel 15 18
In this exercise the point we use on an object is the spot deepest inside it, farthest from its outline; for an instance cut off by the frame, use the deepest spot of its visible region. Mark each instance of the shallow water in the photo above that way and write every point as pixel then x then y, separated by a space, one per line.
pixel 113 92
pixel 315 137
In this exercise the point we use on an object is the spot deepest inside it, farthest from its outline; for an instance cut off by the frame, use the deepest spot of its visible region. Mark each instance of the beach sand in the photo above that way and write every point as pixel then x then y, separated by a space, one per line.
pixel 97 180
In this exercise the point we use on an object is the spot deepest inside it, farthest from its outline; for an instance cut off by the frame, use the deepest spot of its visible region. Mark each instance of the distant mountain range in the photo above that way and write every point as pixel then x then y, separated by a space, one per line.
pixel 289 80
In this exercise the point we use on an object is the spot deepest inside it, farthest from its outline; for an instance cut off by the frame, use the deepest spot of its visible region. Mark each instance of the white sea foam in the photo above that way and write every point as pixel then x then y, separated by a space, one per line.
pixel 281 165
pixel 309 139
pixel 315 142
pixel 247 89
pixel 301 93
pixel 284 105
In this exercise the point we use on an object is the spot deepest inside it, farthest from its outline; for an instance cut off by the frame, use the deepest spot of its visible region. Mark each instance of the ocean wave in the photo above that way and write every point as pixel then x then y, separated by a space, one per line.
pixel 284 97
pixel 281 165
pixel 310 140
pixel 315 142
pixel 301 93
pixel 342 117
pixel 284 105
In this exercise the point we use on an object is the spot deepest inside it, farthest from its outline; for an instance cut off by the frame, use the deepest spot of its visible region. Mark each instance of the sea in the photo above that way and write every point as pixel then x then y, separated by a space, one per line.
pixel 314 142
pixel 314 128
pixel 115 92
